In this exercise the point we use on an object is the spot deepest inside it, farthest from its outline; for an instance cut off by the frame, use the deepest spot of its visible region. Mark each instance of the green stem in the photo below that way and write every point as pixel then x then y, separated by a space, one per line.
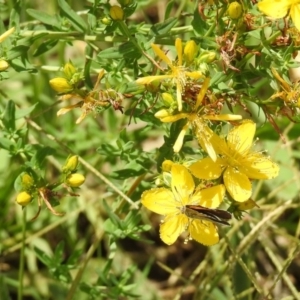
pixel 80 272
pixel 213 25
pixel 22 257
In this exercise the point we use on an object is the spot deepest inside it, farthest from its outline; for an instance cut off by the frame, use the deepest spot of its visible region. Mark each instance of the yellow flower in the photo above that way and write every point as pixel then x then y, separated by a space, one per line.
pixel 172 204
pixel 280 8
pixel 237 162
pixel 199 123
pixel 178 74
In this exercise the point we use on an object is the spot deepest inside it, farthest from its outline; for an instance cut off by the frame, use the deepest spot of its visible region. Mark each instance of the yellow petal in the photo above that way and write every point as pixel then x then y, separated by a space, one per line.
pixel 179 95
pixel 194 75
pixel 178 46
pixel 206 137
pixel 257 166
pixel 6 34
pixel 149 79
pixel 172 227
pixel 210 197
pixel 240 138
pixel 160 201
pixel 275 8
pixel 237 184
pixel 179 141
pixel 295 15
pixel 182 183
pixel 224 117
pixel 66 109
pixel 207 169
pixel 202 92
pixel 173 118
pixel 82 116
pixel 204 232
pixel 162 55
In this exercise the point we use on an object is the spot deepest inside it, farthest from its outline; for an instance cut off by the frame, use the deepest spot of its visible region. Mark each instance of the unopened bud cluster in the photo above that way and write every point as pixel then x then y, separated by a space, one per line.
pixel 25 196
pixel 71 178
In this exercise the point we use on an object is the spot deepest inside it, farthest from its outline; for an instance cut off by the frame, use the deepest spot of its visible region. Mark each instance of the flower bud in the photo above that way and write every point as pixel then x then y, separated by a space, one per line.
pixel 75 180
pixel 106 21
pixel 207 57
pixel 116 13
pixel 60 85
pixel 153 86
pixel 69 70
pixel 167 165
pixel 162 114
pixel 235 10
pixel 248 204
pixel 23 198
pixel 3 65
pixel 71 164
pixel 167 99
pixel 26 181
pixel 190 51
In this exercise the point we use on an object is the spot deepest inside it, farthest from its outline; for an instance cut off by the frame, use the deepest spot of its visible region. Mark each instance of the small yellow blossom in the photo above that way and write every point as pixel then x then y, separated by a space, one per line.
pixel 280 8
pixel 23 198
pixel 237 162
pixel 179 72
pixel 75 180
pixel 171 203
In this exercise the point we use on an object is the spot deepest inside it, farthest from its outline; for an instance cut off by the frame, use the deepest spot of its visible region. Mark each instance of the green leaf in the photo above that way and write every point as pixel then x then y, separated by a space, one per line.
pixel 169 8
pixel 20 113
pixel 14 18
pixel 8 117
pixel 44 47
pixel 43 257
pixel 199 25
pixel 126 50
pixel 75 20
pixel 21 64
pixel 44 17
pixel 38 159
pixel 6 144
pixel 114 218
pixel 164 27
